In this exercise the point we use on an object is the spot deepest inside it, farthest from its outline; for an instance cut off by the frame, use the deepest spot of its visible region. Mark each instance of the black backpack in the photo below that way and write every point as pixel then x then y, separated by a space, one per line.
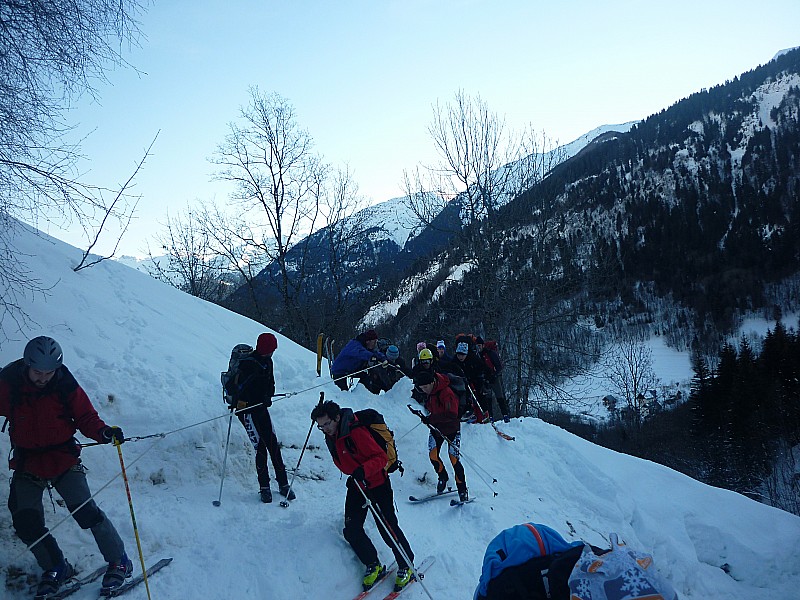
pixel 459 386
pixel 230 378
pixel 384 436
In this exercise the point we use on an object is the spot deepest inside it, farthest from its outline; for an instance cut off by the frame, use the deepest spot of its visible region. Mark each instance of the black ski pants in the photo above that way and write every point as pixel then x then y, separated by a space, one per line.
pixel 355 514
pixel 258 425
pixel 27 515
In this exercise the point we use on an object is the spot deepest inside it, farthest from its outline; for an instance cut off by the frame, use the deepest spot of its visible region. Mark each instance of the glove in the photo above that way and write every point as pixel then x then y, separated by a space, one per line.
pixel 267 402
pixel 426 420
pixel 358 475
pixel 113 434
pixel 241 405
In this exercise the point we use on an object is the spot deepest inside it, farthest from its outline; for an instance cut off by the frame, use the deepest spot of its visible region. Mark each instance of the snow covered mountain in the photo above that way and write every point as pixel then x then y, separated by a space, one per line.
pixel 150 356
pixel 383 242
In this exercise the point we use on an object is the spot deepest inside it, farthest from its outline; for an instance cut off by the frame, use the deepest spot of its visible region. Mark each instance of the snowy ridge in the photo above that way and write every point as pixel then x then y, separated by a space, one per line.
pixel 393 218
pixel 150 357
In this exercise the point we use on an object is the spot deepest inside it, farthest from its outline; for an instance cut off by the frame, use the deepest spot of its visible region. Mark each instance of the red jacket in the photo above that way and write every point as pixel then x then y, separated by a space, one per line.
pixel 43 422
pixel 353 446
pixel 442 404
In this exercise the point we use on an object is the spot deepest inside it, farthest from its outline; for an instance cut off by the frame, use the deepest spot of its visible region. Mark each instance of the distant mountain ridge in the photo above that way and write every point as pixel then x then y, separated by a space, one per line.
pixel 391 240
pixel 694 213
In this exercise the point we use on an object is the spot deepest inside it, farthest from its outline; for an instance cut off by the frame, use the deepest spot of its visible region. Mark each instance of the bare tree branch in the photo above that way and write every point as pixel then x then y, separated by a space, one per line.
pixel 124 216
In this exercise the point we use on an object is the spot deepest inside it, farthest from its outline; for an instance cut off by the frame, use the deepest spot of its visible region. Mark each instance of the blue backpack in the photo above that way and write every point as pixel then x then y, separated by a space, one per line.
pixel 529 561
pixel 533 562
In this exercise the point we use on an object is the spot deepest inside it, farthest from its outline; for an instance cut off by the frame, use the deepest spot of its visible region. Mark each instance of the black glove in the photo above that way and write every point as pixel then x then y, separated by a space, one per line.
pixel 267 402
pixel 112 434
pixel 358 475
pixel 425 420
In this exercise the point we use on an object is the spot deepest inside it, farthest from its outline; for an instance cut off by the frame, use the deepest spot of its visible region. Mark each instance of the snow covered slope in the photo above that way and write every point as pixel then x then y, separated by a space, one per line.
pixel 150 357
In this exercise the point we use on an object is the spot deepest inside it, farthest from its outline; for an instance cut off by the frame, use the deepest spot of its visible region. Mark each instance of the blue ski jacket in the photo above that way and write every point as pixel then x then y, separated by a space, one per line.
pixel 353 357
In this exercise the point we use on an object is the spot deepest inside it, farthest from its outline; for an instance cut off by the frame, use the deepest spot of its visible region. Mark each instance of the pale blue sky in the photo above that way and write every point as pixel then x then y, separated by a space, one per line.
pixel 363 76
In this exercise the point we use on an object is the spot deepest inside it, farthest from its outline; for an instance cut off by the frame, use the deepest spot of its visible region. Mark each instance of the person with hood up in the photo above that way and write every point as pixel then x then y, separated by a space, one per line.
pixel 253 388
pixel 358 357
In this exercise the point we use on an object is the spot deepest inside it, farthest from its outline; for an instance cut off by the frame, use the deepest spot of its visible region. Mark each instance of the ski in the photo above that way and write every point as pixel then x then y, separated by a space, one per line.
pixel 389 571
pixel 320 340
pixel 329 354
pixel 503 435
pixel 73 585
pixel 418 574
pixel 447 492
pixel 455 502
pixel 133 582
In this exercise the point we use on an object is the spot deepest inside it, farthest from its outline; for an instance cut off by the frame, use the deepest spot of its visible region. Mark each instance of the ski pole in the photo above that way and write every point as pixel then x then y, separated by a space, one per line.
pixel 218 502
pixel 478 403
pixel 364 370
pixel 379 518
pixel 491 421
pixel 133 516
pixel 184 428
pixel 285 502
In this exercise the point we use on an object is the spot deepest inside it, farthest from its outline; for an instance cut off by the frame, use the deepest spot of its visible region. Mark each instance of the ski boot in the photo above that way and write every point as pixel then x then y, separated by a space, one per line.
pixel 53 579
pixel 441 485
pixel 266 495
pixel 116 574
pixel 372 575
pixel 287 492
pixel 403 578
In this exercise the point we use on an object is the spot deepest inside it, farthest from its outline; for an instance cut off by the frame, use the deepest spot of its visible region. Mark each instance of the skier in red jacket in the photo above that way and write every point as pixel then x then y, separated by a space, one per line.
pixel 356 453
pixel 45 406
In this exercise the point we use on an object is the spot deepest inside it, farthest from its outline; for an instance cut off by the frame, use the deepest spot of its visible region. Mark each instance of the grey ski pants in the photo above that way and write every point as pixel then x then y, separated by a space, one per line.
pixel 27 515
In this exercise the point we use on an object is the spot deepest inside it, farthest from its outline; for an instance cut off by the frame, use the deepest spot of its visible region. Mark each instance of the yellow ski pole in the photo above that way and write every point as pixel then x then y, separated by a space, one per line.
pixel 133 516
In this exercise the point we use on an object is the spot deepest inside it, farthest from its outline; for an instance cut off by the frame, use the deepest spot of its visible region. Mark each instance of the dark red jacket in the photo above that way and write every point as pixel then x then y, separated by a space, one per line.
pixel 442 404
pixel 43 422
pixel 353 446
pixel 492 360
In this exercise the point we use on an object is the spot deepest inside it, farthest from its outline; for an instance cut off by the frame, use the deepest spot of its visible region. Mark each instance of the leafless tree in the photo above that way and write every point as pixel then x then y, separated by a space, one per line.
pixel 229 240
pixel 189 262
pixel 781 487
pixel 51 53
pixel 342 237
pixel 278 184
pixel 629 369
pixel 529 305
pixel 482 163
pixel 482 166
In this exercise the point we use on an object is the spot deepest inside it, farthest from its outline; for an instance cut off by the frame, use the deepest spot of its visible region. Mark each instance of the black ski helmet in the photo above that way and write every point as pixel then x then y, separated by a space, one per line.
pixel 43 354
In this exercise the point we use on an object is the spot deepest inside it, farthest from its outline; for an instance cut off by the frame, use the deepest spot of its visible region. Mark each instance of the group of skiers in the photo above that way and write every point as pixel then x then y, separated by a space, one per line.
pixel 45 407
pixel 379 369
pixel 432 370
